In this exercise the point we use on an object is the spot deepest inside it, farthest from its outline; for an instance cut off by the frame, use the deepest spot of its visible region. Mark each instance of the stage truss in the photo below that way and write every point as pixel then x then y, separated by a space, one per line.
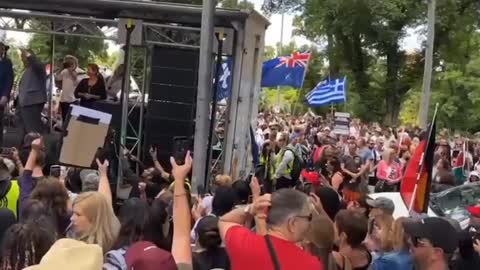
pixel 99 19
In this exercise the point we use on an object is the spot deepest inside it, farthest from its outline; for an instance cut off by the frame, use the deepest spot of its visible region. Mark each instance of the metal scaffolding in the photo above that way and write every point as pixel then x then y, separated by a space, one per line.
pixel 163 24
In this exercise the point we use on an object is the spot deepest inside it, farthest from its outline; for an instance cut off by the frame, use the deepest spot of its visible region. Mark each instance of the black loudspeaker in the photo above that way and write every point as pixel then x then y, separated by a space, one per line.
pixel 115 109
pixel 171 100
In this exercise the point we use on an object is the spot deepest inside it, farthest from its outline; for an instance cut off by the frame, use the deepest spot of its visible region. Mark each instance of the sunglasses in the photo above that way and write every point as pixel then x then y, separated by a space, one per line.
pixel 308 218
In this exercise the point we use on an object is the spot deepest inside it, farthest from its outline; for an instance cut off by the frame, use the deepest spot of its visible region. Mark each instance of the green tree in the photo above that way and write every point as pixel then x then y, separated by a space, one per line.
pixel 363 40
pixel 85 49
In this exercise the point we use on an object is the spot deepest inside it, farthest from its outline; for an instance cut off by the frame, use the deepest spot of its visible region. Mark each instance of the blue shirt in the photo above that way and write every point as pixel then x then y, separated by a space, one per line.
pixel 397 260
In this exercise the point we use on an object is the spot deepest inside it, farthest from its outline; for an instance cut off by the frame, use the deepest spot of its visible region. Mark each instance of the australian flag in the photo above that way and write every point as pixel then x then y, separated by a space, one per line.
pixel 224 86
pixel 285 70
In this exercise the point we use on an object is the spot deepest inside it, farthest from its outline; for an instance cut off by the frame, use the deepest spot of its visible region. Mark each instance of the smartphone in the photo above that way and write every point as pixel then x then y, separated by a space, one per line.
pixel 55 170
pixel 6 152
pixel 181 145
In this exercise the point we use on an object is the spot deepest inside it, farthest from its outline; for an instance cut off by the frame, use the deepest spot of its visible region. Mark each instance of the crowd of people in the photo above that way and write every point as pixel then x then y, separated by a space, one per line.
pixel 307 205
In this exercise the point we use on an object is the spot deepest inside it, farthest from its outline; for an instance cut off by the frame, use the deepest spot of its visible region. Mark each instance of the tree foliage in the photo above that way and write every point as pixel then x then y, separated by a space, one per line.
pixel 85 49
pixel 362 40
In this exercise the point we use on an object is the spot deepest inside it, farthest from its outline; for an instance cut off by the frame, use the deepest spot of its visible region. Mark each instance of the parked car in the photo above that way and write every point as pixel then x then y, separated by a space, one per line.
pixel 451 203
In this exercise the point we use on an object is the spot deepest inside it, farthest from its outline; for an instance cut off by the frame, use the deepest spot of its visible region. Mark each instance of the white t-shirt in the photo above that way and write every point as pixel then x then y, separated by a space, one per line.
pixel 69 83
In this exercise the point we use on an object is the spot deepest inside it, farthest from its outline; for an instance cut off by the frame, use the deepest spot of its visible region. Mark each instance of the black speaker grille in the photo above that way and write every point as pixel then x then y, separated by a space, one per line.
pixel 172 99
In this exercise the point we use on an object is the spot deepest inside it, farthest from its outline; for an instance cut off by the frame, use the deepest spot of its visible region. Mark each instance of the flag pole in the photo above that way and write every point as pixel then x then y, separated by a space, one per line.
pixel 303 82
pixel 422 160
pixel 280 51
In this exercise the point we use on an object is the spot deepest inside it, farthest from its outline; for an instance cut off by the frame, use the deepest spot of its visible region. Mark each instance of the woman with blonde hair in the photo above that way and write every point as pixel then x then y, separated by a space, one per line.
pixel 380 234
pixel 389 172
pixel 93 219
pixel 399 258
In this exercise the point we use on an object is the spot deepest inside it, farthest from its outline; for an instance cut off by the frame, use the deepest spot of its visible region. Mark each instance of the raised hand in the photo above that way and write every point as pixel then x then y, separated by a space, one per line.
pixel 37 144
pixel 180 172
pixel 316 202
pixel 153 152
pixel 260 206
pixel 103 167
pixel 255 187
pixel 15 154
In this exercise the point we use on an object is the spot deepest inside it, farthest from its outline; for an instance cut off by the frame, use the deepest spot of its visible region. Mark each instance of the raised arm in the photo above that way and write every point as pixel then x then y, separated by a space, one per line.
pixel 260 222
pixel 239 216
pixel 156 163
pixel 26 181
pixel 18 161
pixel 181 249
pixel 104 184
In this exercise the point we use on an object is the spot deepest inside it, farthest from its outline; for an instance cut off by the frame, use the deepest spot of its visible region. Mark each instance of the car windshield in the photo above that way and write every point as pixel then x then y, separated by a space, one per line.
pixel 453 203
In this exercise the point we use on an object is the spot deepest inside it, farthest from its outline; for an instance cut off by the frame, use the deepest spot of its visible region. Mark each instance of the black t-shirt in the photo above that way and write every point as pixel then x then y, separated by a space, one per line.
pixel 353 164
pixel 97 89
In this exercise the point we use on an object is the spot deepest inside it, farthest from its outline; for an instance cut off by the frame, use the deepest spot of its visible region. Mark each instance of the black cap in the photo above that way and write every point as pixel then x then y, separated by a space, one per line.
pixel 437 230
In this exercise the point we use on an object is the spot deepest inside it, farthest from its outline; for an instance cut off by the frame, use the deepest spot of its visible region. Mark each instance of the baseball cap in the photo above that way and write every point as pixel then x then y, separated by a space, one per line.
pixel 382 203
pixel 146 256
pixel 437 230
pixel 474 211
pixel 71 254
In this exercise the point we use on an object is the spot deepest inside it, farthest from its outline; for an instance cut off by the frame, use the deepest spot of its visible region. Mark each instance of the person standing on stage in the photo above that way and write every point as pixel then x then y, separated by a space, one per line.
pixel 32 92
pixel 91 89
pixel 115 83
pixel 6 83
pixel 69 79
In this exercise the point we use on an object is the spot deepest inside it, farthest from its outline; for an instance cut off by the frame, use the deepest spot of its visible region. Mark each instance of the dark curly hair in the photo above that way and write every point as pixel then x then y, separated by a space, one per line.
pixel 54 197
pixel 25 244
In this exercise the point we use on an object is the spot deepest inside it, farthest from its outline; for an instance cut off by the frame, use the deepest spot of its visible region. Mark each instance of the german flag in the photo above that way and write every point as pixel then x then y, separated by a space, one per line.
pixel 416 183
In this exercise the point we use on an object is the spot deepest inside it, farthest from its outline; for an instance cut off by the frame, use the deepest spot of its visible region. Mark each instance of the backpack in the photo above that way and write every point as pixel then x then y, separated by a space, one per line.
pixel 297 167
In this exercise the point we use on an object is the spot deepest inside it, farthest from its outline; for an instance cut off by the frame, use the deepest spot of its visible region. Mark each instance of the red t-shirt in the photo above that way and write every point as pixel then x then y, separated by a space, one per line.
pixel 249 251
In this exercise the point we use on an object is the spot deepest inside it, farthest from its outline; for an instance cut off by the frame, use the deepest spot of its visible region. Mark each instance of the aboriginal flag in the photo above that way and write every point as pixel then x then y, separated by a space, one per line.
pixel 419 173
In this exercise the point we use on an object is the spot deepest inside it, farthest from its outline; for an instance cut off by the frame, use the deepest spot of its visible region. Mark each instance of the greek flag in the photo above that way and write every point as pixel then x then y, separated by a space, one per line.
pixel 327 92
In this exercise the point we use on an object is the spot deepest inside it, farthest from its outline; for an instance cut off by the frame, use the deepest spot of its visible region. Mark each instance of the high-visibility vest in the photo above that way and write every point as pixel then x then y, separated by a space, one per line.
pixel 287 170
pixel 268 166
pixel 10 200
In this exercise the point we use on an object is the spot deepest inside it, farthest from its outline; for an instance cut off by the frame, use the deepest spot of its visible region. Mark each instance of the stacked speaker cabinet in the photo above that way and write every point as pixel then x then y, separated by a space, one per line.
pixel 171 99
